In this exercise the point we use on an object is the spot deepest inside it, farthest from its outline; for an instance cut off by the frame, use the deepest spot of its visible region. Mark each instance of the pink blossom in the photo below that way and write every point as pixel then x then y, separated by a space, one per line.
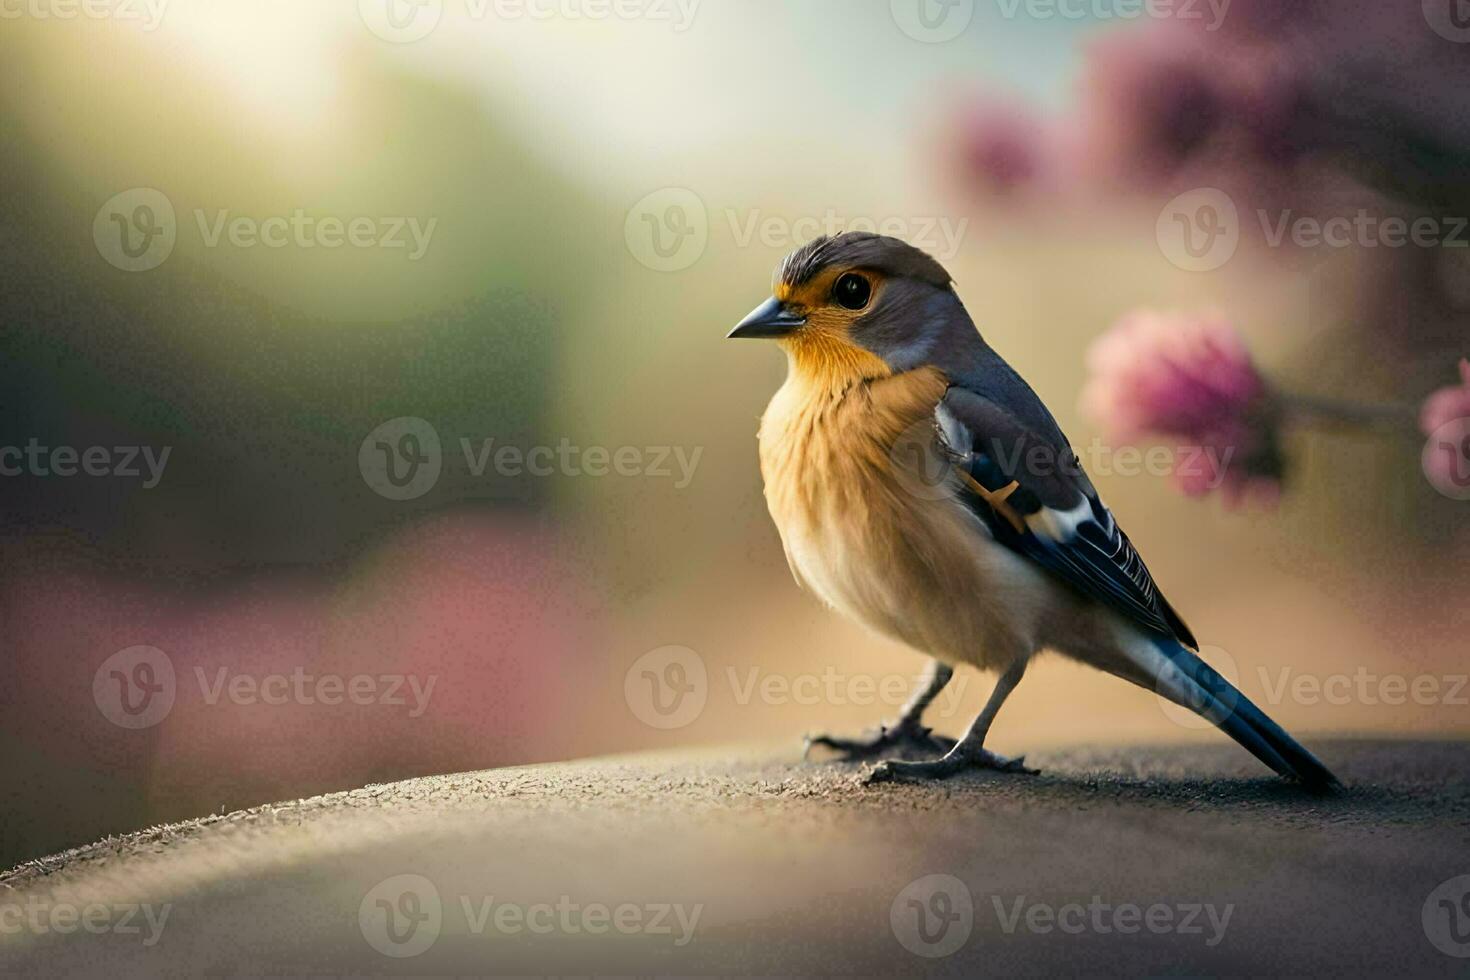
pixel 1001 148
pixel 1447 404
pixel 1445 418
pixel 1170 373
pixel 1189 378
pixel 489 610
pixel 1151 100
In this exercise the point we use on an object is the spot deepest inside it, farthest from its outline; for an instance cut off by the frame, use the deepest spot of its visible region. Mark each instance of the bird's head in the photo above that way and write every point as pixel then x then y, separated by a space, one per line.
pixel 857 306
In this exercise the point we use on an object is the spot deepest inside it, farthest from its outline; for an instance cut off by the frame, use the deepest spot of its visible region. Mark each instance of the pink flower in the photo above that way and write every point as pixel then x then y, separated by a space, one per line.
pixel 1000 147
pixel 1447 404
pixel 1189 378
pixel 1151 100
pixel 1445 418
pixel 1176 374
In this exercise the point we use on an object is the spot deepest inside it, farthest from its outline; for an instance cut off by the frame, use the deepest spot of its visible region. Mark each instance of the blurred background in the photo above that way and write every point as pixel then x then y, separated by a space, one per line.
pixel 397 329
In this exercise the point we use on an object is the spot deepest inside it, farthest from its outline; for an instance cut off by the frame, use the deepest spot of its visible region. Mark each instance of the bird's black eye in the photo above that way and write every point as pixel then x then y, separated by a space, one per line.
pixel 852 291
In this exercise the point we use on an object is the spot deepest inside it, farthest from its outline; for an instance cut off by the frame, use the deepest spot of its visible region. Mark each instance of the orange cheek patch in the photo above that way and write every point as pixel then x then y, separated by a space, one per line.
pixel 809 295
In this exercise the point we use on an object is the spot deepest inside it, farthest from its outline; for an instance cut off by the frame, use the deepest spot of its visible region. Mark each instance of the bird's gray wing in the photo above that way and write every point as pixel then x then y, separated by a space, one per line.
pixel 1024 481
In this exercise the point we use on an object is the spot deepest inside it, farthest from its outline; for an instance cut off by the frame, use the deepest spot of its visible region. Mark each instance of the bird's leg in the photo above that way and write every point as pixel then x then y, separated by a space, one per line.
pixel 970 752
pixel 908 734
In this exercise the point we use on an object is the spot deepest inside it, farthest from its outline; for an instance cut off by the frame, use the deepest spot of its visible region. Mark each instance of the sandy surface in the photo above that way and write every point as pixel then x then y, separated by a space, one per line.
pixel 745 860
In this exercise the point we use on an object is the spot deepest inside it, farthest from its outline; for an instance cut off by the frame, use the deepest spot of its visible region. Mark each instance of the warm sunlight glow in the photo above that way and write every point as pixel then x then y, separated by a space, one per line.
pixel 278 56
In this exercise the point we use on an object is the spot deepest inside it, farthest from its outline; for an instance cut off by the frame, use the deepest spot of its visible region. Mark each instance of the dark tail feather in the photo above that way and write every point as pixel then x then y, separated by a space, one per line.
pixel 1212 697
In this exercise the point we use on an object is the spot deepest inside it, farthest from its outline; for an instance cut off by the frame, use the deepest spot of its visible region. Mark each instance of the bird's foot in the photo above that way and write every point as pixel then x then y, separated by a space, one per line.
pixel 957 760
pixel 903 739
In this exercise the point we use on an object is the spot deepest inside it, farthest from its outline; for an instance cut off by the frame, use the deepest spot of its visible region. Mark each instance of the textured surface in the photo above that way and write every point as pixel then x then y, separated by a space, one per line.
pixel 793 868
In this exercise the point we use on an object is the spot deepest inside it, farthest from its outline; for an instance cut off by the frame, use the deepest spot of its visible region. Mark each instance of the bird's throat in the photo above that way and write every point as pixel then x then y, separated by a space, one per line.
pixel 820 359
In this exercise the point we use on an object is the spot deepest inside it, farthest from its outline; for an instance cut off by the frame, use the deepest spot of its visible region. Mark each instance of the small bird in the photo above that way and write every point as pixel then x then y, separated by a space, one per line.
pixel 921 487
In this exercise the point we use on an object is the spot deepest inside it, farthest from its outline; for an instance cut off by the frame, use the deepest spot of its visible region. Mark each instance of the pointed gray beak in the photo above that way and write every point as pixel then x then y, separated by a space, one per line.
pixel 770 319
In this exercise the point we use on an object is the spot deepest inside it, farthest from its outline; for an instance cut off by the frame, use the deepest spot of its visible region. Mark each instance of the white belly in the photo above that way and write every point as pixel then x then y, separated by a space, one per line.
pixel 931 578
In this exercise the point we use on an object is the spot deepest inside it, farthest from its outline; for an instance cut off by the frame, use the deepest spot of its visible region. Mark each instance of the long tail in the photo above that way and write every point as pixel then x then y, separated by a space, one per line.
pixel 1181 676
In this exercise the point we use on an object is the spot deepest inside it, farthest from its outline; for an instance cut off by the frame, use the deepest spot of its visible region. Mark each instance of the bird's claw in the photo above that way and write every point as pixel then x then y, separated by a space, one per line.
pixel 893 770
pixel 903 739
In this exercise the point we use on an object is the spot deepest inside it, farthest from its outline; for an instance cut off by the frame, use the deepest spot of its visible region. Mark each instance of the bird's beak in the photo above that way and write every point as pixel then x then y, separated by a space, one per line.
pixel 770 319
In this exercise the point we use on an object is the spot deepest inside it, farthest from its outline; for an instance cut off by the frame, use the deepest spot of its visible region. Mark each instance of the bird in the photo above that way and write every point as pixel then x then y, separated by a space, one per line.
pixel 921 487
